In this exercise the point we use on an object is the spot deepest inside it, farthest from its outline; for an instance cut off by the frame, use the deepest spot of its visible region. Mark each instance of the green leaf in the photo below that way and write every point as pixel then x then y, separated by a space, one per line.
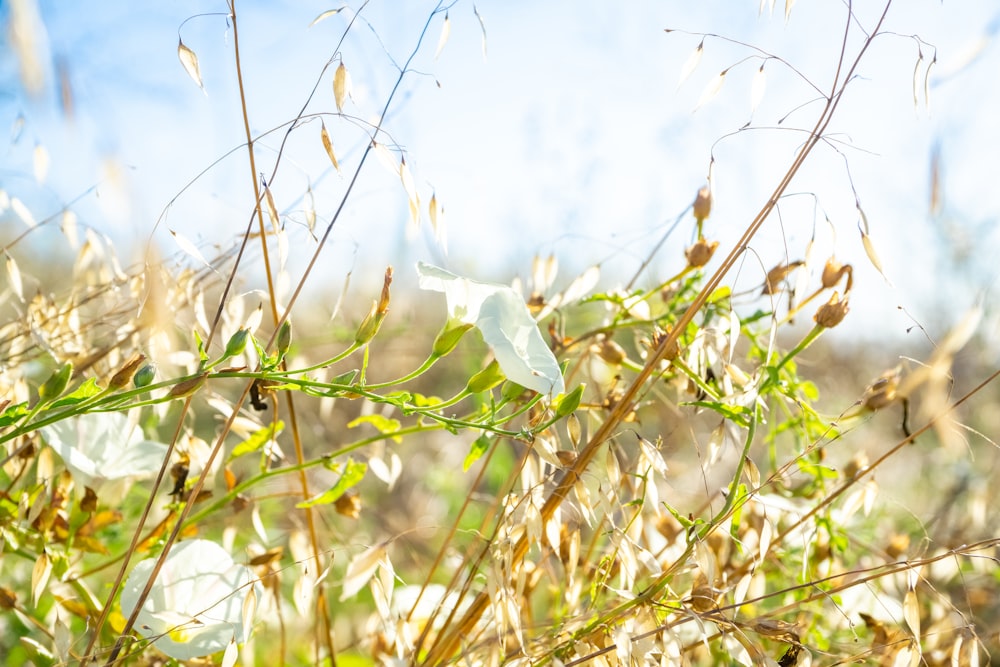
pixel 202 354
pixel 735 413
pixel 14 413
pixel 81 393
pixel 354 472
pixel 383 424
pixel 479 447
pixel 257 440
pixel 720 294
pixel 345 379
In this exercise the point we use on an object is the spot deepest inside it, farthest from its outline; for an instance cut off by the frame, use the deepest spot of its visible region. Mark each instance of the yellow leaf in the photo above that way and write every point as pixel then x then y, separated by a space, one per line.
pixel 190 62
pixel 328 146
pixel 445 31
pixel 341 86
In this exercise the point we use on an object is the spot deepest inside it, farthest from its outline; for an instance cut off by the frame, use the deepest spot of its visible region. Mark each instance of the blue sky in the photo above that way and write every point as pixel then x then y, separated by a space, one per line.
pixel 571 136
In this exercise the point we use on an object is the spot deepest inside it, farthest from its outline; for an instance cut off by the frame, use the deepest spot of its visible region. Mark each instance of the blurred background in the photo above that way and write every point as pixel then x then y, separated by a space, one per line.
pixel 539 128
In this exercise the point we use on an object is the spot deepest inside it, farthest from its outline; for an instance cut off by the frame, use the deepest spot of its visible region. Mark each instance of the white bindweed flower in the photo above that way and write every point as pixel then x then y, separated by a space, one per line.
pixel 505 323
pixel 196 606
pixel 104 451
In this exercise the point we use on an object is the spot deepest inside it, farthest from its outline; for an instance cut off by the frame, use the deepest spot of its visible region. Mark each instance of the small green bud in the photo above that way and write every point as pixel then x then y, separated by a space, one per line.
pixel 237 343
pixel 284 337
pixel 369 326
pixel 568 403
pixel 56 384
pixel 511 390
pixel 448 338
pixel 144 376
pixel 486 379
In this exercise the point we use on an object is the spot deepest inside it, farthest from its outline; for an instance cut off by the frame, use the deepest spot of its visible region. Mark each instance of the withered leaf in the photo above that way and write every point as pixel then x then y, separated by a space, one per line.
pixel 190 62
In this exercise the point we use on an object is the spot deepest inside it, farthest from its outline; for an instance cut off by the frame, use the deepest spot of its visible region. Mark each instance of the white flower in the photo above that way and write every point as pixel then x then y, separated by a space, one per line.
pixel 195 608
pixel 102 449
pixel 505 323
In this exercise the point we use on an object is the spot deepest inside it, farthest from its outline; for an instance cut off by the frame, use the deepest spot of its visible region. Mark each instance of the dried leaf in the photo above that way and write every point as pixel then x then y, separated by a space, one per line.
pixel 328 146
pixel 361 569
pixel 232 653
pixel 927 82
pixel 711 90
pixel 41 163
pixel 249 611
pixel 757 88
pixel 341 86
pixel 692 63
pixel 272 210
pixel 872 255
pixel 22 212
pixel 68 227
pixel 14 276
pixel 190 62
pixel 325 15
pixel 40 576
pixel 911 612
pixel 482 26
pixel 443 39
pixel 188 247
pixel 788 8
pixel 411 194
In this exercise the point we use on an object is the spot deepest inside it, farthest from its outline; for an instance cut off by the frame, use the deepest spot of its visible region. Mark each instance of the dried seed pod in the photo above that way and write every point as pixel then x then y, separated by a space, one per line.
pixel 610 351
pixel 700 253
pixel 833 271
pixel 124 375
pixel 702 206
pixel 882 391
pixel 348 505
pixel 777 275
pixel 831 313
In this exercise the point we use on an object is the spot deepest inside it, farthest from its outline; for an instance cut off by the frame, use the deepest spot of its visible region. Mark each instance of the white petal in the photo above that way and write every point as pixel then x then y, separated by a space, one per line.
pixel 505 323
pixel 195 608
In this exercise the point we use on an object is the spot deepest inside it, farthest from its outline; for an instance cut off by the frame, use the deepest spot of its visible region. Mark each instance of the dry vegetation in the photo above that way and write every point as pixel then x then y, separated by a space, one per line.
pixel 699 494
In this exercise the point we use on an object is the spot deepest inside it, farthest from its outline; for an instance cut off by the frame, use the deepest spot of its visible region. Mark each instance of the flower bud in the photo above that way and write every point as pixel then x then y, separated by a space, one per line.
pixel 448 338
pixel 56 384
pixel 700 253
pixel 237 343
pixel 831 313
pixel 284 337
pixel 486 379
pixel 144 376
pixel 369 326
